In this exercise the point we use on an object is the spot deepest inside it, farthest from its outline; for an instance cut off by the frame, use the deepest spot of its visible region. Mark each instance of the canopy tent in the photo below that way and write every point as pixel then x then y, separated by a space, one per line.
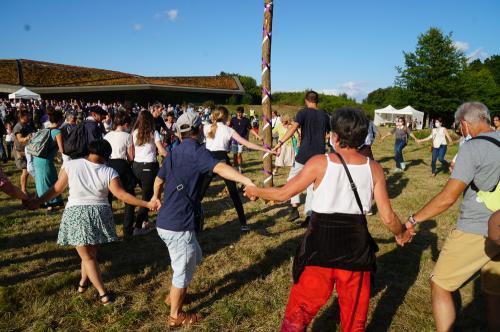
pixel 24 93
pixel 389 114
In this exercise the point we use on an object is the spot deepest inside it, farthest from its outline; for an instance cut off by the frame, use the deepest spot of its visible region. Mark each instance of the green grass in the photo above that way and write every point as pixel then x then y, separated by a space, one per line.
pixel 243 281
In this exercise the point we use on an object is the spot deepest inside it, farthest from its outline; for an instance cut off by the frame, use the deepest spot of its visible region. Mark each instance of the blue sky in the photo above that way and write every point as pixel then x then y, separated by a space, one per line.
pixel 328 45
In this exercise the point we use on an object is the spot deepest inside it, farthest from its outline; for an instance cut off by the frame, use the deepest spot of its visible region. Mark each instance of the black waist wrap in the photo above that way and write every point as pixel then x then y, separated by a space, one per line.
pixel 336 240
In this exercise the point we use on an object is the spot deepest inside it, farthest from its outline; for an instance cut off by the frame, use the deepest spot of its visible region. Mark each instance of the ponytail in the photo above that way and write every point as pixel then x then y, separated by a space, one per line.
pixel 219 115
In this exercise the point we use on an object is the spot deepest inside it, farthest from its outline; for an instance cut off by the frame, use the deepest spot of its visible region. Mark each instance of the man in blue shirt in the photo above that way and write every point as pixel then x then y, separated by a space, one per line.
pixel 176 224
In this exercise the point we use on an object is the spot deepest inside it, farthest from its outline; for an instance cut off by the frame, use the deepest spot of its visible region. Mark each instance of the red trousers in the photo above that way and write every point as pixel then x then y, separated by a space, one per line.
pixel 315 287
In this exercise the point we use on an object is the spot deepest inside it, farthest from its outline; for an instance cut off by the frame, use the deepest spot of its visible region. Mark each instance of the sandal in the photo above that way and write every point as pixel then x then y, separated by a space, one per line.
pixel 183 319
pixel 103 299
pixel 83 288
pixel 167 300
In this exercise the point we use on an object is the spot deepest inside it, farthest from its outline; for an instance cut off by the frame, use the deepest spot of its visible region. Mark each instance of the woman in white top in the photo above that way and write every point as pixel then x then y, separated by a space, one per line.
pixel 121 156
pixel 218 141
pixel 438 136
pixel 87 220
pixel 337 249
pixel 147 144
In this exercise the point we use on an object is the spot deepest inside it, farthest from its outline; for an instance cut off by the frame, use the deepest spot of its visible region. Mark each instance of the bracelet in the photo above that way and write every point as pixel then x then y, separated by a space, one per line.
pixel 411 220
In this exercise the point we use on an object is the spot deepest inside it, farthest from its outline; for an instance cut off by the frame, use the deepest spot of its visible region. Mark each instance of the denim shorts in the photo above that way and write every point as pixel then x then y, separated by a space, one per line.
pixel 185 255
pixel 236 148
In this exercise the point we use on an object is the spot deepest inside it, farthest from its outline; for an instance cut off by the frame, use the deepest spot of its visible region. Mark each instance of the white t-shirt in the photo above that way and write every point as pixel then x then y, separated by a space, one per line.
pixel 88 182
pixel 222 139
pixel 145 153
pixel 120 142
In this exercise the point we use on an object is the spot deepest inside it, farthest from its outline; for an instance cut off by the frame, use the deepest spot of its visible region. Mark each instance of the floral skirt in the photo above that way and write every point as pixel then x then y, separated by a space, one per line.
pixel 87 225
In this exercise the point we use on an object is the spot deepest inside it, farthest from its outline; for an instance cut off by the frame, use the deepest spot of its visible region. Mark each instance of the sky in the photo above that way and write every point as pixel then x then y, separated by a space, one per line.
pixel 331 46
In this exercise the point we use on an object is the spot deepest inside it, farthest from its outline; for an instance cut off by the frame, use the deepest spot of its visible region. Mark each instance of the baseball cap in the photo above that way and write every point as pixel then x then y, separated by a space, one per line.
pixel 188 121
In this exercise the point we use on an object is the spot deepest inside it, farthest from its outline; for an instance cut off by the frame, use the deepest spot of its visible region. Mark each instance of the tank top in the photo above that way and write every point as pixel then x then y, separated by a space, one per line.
pixel 438 137
pixel 334 193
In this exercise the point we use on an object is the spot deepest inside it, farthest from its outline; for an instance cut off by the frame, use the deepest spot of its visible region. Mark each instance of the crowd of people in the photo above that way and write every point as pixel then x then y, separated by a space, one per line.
pixel 110 149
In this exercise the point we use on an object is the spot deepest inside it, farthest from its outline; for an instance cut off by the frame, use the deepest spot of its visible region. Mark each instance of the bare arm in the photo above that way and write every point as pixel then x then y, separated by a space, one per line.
pixel 158 188
pixel 247 143
pixel 313 170
pixel 442 201
pixel 161 149
pixel 60 143
pixel 57 189
pixel 117 190
pixel 386 213
pixel 14 191
pixel 131 152
pixel 21 139
pixel 448 136
pixel 229 173
pixel 289 133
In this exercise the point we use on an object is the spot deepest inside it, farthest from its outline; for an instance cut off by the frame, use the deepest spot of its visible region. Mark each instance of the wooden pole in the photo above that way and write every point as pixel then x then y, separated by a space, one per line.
pixel 266 90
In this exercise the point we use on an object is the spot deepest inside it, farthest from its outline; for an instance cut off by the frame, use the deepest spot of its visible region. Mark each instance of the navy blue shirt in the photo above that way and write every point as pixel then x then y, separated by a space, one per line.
pixel 314 125
pixel 190 161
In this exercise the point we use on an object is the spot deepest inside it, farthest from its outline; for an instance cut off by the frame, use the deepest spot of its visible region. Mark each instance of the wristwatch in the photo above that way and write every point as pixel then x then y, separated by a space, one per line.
pixel 411 220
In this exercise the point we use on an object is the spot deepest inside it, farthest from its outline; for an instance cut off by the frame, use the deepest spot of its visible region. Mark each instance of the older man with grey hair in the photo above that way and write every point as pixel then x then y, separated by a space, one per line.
pixel 467 249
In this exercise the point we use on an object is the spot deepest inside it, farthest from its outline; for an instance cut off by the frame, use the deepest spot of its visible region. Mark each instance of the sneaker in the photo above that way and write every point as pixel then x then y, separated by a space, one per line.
pixel 397 170
pixel 403 166
pixel 245 228
pixel 294 214
pixel 369 213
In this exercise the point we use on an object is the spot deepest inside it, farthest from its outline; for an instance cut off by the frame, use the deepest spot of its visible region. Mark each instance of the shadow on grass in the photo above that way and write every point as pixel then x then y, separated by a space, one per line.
pixel 396 184
pixel 17 241
pixel 234 281
pixel 393 278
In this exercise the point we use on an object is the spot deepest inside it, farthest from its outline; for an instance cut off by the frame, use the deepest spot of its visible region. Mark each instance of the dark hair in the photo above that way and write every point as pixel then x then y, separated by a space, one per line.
pixel 23 113
pixel 190 133
pixel 351 126
pixel 171 114
pixel 145 125
pixel 240 109
pixel 121 119
pixel 438 119
pixel 100 147
pixel 55 116
pixel 312 96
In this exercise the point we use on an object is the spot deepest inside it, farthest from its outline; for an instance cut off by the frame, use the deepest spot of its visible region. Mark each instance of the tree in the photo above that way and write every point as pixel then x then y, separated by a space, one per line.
pixel 432 74
pixel 479 84
pixel 393 95
pixel 252 90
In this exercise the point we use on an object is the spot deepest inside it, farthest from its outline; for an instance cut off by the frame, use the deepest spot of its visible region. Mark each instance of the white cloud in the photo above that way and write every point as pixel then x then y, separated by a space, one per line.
pixel 353 89
pixel 172 14
pixel 478 53
pixel 137 27
pixel 461 46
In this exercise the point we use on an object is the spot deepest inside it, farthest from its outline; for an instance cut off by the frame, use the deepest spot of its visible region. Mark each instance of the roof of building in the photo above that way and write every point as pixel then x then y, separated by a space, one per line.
pixel 45 77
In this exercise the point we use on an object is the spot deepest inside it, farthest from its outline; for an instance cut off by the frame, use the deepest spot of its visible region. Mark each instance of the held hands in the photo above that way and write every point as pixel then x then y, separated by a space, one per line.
pixel 251 192
pixel 406 235
pixel 32 203
pixel 154 204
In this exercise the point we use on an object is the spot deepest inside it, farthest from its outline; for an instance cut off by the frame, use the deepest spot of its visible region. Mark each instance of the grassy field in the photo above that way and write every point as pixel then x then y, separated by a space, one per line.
pixel 243 281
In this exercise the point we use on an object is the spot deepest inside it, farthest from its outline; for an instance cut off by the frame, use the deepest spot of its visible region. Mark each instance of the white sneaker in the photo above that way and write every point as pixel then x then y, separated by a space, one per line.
pixel 403 166
pixel 397 170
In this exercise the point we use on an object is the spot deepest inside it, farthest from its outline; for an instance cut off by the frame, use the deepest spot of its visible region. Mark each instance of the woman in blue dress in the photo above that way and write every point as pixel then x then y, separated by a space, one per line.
pixel 46 173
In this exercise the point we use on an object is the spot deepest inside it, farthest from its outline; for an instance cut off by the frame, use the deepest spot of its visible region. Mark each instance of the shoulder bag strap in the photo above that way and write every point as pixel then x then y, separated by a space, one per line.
pixel 353 185
pixel 489 139
pixel 179 186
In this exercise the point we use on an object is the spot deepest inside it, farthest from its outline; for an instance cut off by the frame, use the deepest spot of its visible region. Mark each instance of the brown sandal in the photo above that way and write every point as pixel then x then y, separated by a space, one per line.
pixel 183 319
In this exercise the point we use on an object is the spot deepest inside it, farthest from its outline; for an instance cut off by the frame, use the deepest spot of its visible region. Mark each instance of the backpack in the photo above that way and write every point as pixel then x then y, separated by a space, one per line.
pixel 490 198
pixel 39 144
pixel 75 142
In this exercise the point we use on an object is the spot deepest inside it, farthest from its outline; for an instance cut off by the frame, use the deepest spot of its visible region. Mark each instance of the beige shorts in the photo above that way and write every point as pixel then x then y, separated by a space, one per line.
pixel 463 255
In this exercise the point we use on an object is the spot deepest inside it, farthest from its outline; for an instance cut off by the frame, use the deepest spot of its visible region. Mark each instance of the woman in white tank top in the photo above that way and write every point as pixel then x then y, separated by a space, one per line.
pixel 438 136
pixel 337 247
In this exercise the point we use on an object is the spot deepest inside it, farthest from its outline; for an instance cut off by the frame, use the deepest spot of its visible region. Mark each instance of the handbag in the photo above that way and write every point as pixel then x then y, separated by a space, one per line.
pixel 199 216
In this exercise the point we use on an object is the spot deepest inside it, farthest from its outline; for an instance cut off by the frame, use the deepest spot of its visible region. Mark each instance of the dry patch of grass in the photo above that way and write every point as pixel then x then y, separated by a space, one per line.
pixel 243 281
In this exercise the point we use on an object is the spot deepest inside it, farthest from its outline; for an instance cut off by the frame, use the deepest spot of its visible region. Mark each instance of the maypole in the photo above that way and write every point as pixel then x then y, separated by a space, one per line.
pixel 266 90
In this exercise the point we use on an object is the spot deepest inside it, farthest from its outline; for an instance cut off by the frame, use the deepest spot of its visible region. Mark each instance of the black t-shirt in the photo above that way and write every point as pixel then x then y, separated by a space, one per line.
pixel 160 124
pixel 241 126
pixel 314 125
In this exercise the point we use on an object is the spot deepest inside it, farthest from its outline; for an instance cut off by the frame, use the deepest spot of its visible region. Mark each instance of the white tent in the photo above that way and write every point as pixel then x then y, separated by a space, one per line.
pixel 24 93
pixel 389 114
pixel 384 115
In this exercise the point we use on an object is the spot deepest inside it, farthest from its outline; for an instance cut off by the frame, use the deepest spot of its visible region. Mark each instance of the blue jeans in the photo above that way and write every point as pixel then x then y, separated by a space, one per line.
pixel 185 255
pixel 399 145
pixel 438 154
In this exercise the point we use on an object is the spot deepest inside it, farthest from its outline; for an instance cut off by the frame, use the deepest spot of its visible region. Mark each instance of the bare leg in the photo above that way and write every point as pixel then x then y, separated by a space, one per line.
pixel 84 279
pixel 24 180
pixel 88 254
pixel 176 300
pixel 492 305
pixel 443 308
